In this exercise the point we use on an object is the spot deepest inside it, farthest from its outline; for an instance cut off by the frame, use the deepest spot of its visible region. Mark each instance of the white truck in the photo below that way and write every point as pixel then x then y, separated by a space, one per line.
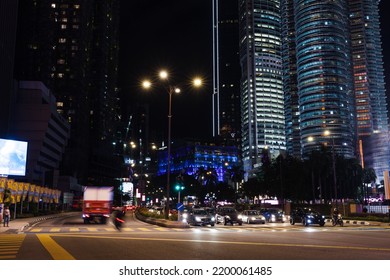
pixel 97 203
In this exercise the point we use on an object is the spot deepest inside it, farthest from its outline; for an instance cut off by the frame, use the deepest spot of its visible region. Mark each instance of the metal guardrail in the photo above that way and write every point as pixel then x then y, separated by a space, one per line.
pixel 383 209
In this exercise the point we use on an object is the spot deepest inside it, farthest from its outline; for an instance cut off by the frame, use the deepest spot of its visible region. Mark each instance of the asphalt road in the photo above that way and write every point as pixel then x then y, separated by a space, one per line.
pixel 70 238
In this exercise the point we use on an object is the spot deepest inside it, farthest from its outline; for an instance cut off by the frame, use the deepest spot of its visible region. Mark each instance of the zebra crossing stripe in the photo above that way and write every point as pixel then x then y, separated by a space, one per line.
pixel 144 229
pixel 9 246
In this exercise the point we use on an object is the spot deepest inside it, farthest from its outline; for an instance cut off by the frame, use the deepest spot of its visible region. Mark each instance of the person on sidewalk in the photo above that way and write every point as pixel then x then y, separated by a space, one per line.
pixel 7 215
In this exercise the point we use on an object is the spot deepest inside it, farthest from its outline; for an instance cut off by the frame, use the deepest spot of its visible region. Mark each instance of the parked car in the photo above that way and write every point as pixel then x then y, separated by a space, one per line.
pixel 273 215
pixel 200 217
pixel 307 216
pixel 228 215
pixel 252 217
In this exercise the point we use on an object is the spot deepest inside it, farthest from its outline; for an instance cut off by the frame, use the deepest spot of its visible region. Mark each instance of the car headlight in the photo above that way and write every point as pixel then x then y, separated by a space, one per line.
pixel 227 217
pixel 198 219
pixel 185 215
pixel 253 218
pixel 212 219
pixel 239 216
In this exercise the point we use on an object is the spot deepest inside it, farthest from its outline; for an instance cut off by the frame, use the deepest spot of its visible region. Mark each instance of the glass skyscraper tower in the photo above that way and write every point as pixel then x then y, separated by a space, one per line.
pixel 324 76
pixel 226 68
pixel 262 100
pixel 368 77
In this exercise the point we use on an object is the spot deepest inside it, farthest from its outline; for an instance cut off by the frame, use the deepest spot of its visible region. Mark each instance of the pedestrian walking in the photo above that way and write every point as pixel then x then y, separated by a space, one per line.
pixel 7 215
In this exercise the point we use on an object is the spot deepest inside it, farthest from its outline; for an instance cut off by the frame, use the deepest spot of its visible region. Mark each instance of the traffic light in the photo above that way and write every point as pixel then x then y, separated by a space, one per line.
pixel 179 187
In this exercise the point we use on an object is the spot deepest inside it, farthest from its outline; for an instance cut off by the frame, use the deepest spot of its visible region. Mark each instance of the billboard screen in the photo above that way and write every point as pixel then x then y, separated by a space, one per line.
pixel 13 157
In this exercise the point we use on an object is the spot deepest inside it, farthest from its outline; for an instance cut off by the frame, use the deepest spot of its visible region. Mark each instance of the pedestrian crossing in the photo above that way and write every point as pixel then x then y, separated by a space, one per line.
pixel 150 229
pixel 103 229
pixel 9 245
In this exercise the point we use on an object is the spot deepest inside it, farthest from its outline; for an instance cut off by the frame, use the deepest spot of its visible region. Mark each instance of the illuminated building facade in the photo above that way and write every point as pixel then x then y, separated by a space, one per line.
pixel 290 82
pixel 371 105
pixel 191 156
pixel 324 76
pixel 262 98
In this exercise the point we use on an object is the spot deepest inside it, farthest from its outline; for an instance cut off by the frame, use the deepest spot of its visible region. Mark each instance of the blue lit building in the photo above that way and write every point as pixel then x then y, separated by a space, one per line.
pixel 324 76
pixel 190 156
pixel 290 83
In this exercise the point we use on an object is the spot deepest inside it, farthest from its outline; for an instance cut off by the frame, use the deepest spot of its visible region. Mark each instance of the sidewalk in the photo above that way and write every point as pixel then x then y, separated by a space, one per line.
pixel 17 225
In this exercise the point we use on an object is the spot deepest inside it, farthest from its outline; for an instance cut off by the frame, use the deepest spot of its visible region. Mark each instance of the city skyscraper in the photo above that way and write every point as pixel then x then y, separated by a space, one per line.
pixel 290 82
pixel 324 76
pixel 262 98
pixel 368 72
pixel 226 97
pixel 334 81
pixel 72 47
pixel 330 58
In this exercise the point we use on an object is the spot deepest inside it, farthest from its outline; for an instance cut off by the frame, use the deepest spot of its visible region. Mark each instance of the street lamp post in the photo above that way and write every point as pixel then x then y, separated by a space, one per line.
pixel 327 133
pixel 197 82
pixel 170 92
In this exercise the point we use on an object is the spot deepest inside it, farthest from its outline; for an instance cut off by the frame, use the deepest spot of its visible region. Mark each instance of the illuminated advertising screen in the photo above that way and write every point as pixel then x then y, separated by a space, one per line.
pixel 127 187
pixel 13 157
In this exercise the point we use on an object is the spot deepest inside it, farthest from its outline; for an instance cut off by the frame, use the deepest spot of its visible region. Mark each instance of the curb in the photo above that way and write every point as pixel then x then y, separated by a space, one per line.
pixel 357 222
pixel 161 222
pixel 42 218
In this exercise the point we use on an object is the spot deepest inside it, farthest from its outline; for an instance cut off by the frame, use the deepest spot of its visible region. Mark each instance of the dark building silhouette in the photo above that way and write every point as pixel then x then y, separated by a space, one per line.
pixel 72 47
pixel 226 97
pixel 8 24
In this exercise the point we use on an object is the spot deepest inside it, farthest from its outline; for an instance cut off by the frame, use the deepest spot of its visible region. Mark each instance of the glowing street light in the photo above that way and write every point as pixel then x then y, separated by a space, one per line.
pixel 164 75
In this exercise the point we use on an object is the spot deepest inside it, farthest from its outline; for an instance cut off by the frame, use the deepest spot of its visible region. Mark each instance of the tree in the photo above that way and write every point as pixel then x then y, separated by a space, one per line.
pixel 369 176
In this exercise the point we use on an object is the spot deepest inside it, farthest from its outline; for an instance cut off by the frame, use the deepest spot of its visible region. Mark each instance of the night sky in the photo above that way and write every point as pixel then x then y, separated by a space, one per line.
pixel 177 35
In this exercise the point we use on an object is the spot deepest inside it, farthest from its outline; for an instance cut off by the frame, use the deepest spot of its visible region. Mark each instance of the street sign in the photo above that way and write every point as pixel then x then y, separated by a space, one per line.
pixel 180 206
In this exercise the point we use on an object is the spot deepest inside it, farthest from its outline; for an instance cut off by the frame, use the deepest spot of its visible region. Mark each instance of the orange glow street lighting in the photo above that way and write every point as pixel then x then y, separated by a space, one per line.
pixel 164 75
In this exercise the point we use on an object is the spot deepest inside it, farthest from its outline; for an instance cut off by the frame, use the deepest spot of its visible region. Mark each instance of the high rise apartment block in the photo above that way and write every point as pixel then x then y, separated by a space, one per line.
pixel 72 47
